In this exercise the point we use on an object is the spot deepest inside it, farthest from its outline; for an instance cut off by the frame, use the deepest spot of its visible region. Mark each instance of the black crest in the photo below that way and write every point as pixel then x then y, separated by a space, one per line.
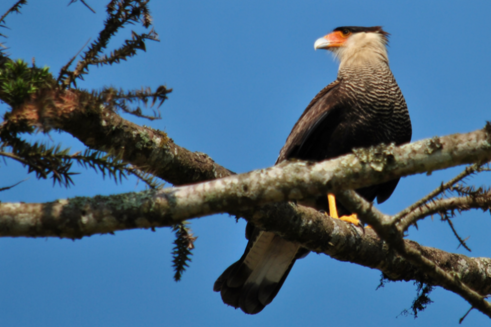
pixel 359 29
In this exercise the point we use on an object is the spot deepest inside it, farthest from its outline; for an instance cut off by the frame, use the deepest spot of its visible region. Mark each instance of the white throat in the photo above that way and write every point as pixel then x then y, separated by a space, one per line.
pixel 362 49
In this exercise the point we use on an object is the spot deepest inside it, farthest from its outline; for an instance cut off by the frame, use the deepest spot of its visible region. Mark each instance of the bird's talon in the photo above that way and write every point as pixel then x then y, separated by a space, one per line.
pixel 351 219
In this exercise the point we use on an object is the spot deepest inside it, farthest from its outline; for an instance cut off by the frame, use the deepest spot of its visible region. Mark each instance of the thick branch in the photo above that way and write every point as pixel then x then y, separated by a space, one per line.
pixel 83 115
pixel 382 224
pixel 241 194
pixel 304 180
pixel 84 216
pixel 155 152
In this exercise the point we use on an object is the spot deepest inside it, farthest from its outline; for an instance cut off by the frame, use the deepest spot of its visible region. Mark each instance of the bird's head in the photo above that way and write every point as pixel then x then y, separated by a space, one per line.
pixel 356 45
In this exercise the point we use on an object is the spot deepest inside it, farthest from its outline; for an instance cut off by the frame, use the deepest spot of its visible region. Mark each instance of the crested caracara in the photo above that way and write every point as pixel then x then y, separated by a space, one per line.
pixel 362 107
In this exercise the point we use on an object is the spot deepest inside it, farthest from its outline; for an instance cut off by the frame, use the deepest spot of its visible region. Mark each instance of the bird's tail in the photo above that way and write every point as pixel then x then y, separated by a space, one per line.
pixel 252 282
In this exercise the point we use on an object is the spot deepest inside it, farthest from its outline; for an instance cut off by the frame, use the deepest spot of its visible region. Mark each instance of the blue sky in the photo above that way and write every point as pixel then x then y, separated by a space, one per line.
pixel 242 73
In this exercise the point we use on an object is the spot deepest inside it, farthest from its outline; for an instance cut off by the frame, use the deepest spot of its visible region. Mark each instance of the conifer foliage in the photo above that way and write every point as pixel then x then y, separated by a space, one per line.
pixel 22 84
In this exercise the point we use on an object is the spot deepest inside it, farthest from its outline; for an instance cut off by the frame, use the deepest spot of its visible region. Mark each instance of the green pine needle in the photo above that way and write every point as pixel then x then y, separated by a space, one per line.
pixel 183 245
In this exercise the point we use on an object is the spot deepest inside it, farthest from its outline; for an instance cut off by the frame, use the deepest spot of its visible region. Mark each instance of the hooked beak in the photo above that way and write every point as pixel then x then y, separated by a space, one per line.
pixel 332 40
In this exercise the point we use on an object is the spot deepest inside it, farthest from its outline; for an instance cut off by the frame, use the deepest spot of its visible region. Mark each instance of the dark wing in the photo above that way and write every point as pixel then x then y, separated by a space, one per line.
pixel 310 136
pixel 325 130
pixel 254 280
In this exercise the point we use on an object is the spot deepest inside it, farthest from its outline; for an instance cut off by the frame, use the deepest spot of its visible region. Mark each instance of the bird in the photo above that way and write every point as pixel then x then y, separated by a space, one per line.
pixel 363 107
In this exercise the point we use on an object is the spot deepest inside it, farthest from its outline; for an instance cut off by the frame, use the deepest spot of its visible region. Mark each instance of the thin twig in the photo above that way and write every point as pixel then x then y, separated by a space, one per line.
pixel 120 14
pixel 464 203
pixel 461 241
pixel 467 171
pixel 13 156
pixel 64 69
pixel 24 162
pixel 86 5
pixel 468 311
pixel 14 8
pixel 11 186
pixel 393 236
pixel 145 177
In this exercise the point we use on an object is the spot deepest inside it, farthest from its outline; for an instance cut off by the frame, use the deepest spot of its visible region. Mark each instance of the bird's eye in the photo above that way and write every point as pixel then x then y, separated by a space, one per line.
pixel 345 32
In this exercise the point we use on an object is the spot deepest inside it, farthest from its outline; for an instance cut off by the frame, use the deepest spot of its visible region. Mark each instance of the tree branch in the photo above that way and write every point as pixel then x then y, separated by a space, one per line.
pixel 15 8
pixel 439 190
pixel 104 214
pixel 84 116
pixel 382 224
pixel 241 194
pixel 442 205
pixel 305 180
pixel 81 115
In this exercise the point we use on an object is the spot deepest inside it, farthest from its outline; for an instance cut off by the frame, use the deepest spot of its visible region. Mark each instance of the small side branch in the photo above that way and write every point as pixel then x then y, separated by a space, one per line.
pixel 11 186
pixel 443 205
pixel 394 237
pixel 15 8
pixel 439 190
pixel 84 3
pixel 120 13
pixel 461 241
pixel 99 127
pixel 77 217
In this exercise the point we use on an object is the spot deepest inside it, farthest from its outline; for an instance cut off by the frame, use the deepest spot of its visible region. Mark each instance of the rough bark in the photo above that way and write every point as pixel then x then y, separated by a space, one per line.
pixel 236 194
pixel 317 232
pixel 249 195
pixel 444 205
pixel 241 195
pixel 416 255
pixel 85 117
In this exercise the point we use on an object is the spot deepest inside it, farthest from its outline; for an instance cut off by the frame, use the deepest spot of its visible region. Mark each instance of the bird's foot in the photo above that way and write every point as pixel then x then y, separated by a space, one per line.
pixel 351 219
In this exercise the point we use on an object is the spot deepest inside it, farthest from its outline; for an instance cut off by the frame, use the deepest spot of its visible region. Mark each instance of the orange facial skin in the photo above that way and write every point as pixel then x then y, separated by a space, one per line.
pixel 337 38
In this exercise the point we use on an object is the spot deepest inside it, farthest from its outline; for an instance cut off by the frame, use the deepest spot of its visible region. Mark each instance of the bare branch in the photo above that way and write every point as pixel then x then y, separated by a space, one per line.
pixel 394 237
pixel 304 180
pixel 439 190
pixel 461 241
pixel 85 4
pixel 77 217
pixel 11 186
pixel 443 205
pixel 464 316
pixel 86 117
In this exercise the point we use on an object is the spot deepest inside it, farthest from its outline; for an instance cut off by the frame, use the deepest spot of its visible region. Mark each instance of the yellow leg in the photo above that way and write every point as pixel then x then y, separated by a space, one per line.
pixel 333 212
